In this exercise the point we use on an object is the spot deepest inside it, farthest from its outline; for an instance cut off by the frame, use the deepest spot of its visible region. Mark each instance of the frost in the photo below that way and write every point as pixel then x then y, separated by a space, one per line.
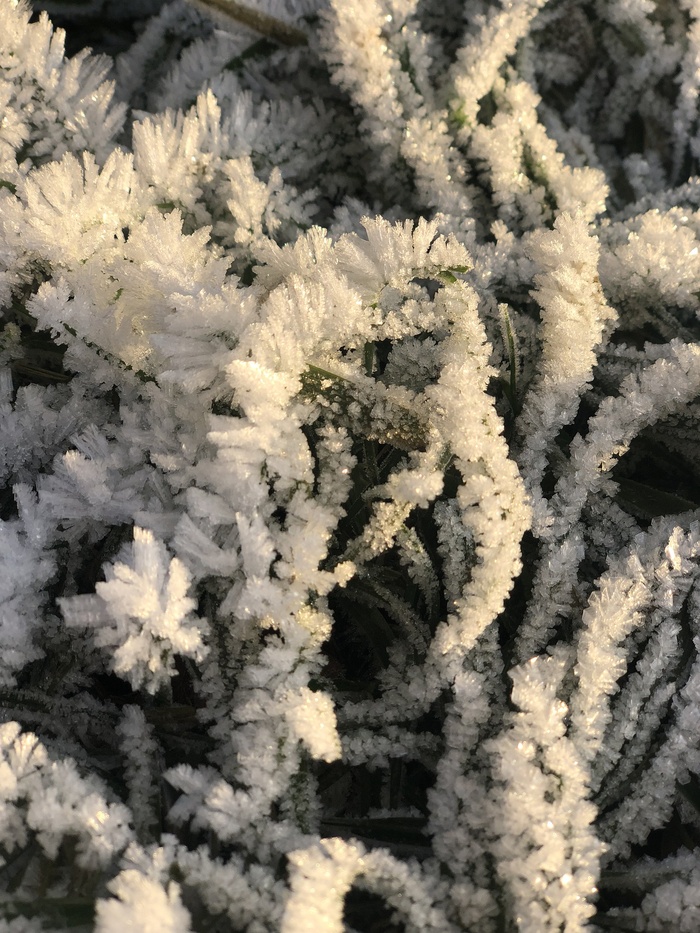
pixel 142 905
pixel 349 522
pixel 142 613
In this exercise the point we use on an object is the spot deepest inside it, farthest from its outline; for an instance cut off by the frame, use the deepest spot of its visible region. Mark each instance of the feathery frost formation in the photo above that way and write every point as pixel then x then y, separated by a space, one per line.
pixel 349 525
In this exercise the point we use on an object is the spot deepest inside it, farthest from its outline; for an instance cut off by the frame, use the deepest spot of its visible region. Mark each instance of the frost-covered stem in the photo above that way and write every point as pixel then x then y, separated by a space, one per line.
pixel 649 801
pixel 406 488
pixel 322 875
pixel 685 113
pixel 492 497
pixel 461 816
pixel 654 574
pixel 614 610
pixel 660 389
pixel 366 66
pixel 478 61
pixel 573 317
pixel 142 756
pixel 548 856
pixel 491 504
pixel 529 176
pixel 553 592
pixel 382 64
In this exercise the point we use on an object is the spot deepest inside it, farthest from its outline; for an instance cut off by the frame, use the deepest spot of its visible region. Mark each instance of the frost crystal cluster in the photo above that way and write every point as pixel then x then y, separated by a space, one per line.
pixel 350 502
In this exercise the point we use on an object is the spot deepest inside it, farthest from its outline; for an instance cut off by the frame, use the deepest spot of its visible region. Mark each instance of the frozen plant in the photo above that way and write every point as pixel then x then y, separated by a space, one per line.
pixel 349 518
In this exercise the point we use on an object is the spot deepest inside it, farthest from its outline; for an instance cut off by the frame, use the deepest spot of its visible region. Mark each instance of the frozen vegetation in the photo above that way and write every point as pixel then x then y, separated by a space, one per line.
pixel 350 455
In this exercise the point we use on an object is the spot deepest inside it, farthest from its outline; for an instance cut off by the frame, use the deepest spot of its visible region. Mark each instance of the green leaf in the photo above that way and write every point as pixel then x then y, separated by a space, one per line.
pixel 646 502
pixel 407 431
pixel 405 829
pixel 459 117
pixel 374 627
pixel 691 792
pixel 449 276
pixel 110 357
pixel 256 50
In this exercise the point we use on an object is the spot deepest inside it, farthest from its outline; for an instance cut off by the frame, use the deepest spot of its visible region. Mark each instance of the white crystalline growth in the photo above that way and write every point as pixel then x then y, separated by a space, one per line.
pixel 142 613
